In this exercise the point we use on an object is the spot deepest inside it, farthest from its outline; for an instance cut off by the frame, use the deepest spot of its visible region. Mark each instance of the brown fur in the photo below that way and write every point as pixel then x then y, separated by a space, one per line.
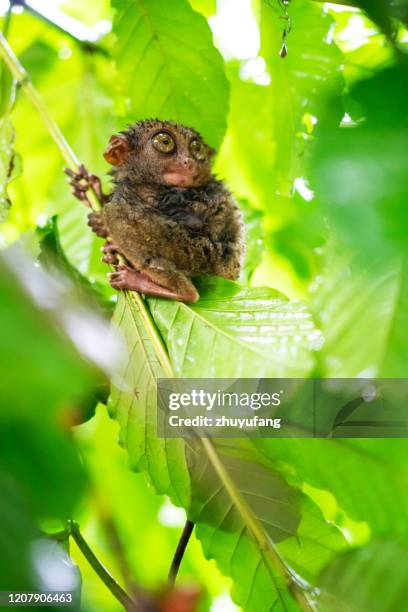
pixel 167 232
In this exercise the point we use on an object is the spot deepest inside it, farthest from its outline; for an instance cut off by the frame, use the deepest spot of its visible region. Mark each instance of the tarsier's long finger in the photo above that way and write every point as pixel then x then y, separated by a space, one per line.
pixel 110 251
pixel 110 259
pixel 97 225
pixel 78 186
pixel 99 230
pixel 96 186
pixel 69 172
pixel 81 195
pixel 110 247
pixel 76 175
pixel 82 181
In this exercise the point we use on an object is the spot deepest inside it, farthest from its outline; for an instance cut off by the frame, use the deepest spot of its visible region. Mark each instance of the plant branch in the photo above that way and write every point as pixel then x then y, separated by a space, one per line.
pixel 100 570
pixel 180 550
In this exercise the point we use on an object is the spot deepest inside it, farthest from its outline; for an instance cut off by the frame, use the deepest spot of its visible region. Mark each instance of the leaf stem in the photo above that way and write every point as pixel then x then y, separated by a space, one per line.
pixel 154 335
pixel 100 570
pixel 180 550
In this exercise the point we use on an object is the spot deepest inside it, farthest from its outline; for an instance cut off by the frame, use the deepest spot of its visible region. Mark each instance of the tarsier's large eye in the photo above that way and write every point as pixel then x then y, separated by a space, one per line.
pixel 163 142
pixel 198 150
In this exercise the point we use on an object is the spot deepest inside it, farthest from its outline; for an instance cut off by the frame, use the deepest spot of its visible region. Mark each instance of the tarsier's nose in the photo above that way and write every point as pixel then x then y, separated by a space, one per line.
pixel 187 163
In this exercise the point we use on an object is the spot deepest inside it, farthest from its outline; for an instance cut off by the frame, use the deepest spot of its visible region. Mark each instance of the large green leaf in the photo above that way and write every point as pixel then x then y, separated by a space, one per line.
pixel 289 520
pixel 235 332
pixel 168 65
pixel 373 578
pixel 230 332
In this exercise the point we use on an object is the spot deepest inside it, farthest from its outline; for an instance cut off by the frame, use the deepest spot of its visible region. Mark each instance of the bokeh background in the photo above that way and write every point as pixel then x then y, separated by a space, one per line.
pixel 306 103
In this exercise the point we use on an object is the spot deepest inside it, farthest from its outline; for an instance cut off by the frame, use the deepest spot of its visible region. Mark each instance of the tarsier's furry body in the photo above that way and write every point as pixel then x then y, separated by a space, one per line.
pixel 168 215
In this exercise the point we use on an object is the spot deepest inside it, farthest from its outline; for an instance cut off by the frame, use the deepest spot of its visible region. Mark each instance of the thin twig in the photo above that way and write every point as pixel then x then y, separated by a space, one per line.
pixel 100 570
pixel 180 550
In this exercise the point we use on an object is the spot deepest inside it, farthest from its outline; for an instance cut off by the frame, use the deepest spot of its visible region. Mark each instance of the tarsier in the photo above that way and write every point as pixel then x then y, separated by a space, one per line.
pixel 167 215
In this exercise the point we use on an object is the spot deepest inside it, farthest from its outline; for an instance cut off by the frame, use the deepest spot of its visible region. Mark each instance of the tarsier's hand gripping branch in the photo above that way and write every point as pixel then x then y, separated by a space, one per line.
pixel 167 215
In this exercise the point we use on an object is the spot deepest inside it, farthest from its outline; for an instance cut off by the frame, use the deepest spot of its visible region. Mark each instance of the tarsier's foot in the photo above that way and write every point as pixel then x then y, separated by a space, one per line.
pixel 128 278
pixel 81 181
pixel 110 251
pixel 97 225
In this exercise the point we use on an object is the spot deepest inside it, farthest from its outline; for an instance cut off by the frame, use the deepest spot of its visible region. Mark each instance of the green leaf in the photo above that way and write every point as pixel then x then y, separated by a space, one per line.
pixel 235 332
pixel 288 519
pixel 373 578
pixel 133 403
pixel 168 66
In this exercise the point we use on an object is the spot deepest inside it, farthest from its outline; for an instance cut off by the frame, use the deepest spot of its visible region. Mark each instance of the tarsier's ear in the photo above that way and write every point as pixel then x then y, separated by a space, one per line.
pixel 117 150
pixel 211 151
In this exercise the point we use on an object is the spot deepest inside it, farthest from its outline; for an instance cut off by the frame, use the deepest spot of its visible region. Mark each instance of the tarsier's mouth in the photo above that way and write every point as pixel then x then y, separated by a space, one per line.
pixel 181 178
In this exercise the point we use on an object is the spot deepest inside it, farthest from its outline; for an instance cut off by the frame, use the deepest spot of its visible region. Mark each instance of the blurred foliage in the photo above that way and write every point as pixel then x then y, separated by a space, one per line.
pixel 313 144
pixel 352 578
pixel 44 380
